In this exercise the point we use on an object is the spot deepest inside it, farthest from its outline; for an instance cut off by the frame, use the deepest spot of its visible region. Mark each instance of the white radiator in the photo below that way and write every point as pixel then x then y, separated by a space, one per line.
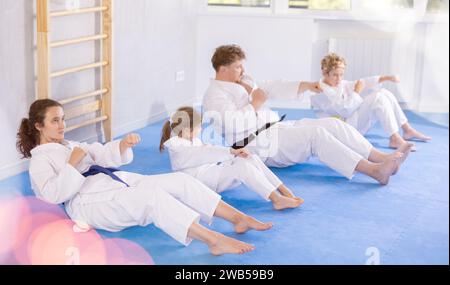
pixel 366 57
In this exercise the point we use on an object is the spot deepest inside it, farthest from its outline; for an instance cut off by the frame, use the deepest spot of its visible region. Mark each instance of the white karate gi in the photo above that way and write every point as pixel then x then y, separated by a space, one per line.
pixel 104 203
pixel 336 143
pixel 218 169
pixel 362 112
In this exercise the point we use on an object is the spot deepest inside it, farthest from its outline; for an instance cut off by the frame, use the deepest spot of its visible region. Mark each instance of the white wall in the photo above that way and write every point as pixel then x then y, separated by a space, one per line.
pixel 276 47
pixel 402 60
pixel 16 76
pixel 155 39
pixel 434 91
pixel 152 41
pixel 292 46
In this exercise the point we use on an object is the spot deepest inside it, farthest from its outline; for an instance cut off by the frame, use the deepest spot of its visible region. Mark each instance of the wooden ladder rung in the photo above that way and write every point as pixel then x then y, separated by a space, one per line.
pixel 84 96
pixel 98 101
pixel 82 110
pixel 78 68
pixel 87 123
pixel 78 11
pixel 78 40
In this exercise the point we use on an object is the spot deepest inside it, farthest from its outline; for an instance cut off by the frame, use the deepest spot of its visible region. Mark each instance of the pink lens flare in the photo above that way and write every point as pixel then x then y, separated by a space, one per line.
pixel 19 217
pixel 33 222
pixel 57 244
pixel 13 210
pixel 125 252
pixel 36 232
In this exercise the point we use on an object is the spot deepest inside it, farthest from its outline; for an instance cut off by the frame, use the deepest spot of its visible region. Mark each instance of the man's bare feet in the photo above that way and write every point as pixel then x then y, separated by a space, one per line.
pixel 282 202
pixel 224 244
pixel 246 223
pixel 412 134
pixel 384 170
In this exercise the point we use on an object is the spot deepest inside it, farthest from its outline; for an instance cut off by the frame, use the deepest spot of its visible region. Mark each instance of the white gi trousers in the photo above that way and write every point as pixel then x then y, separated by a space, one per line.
pixel 379 106
pixel 252 172
pixel 334 142
pixel 173 202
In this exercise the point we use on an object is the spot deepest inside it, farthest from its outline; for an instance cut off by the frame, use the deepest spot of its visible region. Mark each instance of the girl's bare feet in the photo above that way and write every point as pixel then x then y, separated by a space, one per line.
pixel 287 203
pixel 218 243
pixel 245 223
pixel 223 245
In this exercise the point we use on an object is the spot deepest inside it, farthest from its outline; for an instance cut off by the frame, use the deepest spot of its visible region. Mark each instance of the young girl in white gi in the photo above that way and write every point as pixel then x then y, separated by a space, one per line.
pixel 342 99
pixel 78 175
pixel 220 168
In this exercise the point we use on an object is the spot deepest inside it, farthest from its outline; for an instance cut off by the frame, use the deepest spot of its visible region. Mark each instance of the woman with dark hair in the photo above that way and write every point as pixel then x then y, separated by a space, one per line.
pixel 95 194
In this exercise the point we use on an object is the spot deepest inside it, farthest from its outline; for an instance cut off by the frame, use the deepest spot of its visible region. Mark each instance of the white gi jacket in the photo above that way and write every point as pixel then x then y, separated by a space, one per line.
pixel 195 158
pixel 232 101
pixel 55 181
pixel 336 143
pixel 342 101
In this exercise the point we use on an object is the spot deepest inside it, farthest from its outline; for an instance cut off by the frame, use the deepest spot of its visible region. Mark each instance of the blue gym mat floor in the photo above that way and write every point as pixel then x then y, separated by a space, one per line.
pixel 341 222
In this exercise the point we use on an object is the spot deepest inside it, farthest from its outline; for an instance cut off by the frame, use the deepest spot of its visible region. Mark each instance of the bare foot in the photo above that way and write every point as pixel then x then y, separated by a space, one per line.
pixel 385 169
pixel 246 223
pixel 405 149
pixel 398 157
pixel 402 154
pixel 283 202
pixel 225 244
pixel 286 192
pixel 412 134
pixel 396 141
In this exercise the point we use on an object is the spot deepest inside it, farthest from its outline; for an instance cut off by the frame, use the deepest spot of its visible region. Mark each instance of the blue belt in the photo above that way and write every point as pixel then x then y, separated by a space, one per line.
pixel 96 169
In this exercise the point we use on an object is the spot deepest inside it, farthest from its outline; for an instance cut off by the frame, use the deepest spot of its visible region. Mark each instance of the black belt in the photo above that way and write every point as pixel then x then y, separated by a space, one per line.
pixel 243 143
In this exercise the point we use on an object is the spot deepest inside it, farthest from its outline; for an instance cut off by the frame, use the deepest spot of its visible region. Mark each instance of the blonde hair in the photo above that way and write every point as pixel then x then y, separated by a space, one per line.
pixel 184 118
pixel 332 61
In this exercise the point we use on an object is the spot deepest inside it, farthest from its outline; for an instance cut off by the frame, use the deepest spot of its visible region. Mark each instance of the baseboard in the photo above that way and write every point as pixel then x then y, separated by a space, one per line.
pixel 290 104
pixel 306 105
pixel 442 109
pixel 14 169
